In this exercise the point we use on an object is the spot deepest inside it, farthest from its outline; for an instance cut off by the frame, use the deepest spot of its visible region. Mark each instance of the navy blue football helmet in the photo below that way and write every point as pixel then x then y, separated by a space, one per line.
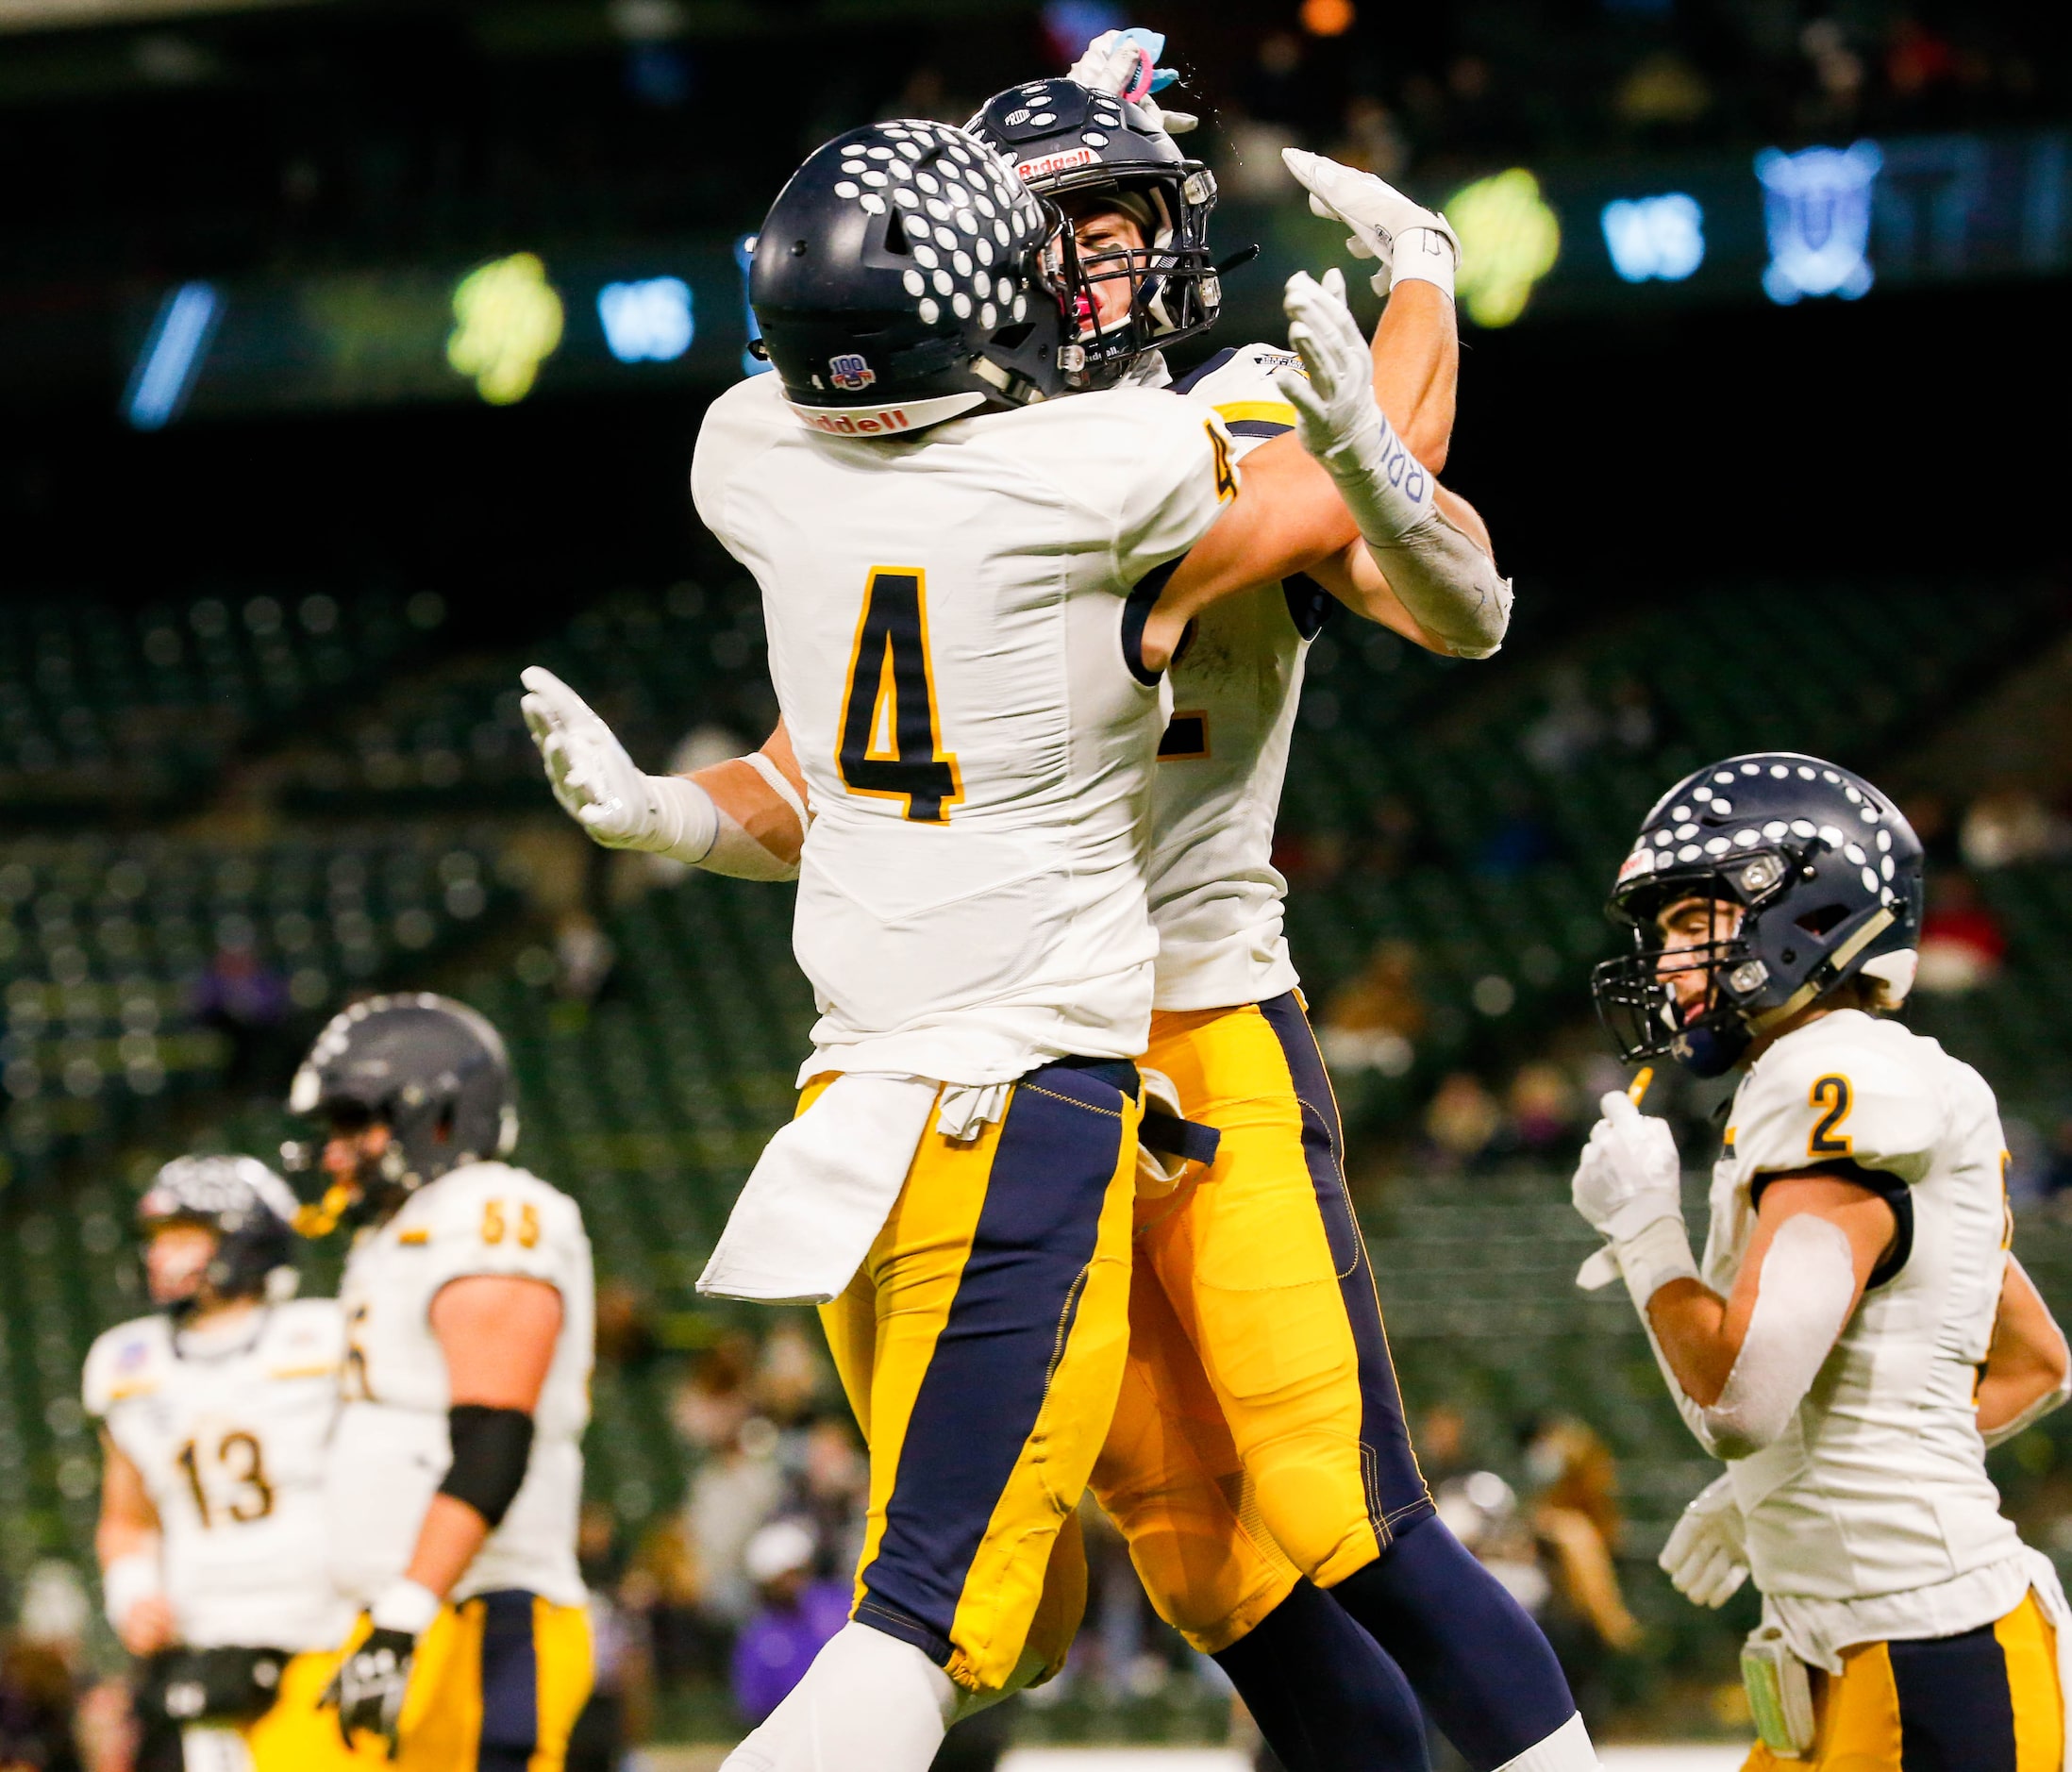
pixel 1826 872
pixel 1066 141
pixel 901 278
pixel 431 1070
pixel 248 1206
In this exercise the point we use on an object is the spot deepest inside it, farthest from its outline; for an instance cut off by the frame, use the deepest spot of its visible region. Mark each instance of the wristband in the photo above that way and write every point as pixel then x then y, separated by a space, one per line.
pixel 1659 1252
pixel 405 1605
pixel 686 821
pixel 1424 254
pixel 129 1579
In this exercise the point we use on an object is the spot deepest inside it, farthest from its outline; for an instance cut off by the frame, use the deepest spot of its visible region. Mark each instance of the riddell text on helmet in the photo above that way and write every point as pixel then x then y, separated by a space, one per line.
pixel 858 423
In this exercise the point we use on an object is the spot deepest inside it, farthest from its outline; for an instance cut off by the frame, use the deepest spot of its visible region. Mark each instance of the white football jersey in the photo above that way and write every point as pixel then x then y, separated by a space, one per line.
pixel 231 1444
pixel 1877 1494
pixel 390 1452
pixel 948 616
pixel 1217 898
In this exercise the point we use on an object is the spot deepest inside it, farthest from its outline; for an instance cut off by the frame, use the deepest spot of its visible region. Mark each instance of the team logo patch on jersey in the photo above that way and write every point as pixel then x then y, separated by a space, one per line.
pixel 1063 160
pixel 133 1355
pixel 850 373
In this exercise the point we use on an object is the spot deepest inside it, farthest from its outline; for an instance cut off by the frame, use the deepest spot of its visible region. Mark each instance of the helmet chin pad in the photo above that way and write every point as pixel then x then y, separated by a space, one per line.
pixel 1713 1047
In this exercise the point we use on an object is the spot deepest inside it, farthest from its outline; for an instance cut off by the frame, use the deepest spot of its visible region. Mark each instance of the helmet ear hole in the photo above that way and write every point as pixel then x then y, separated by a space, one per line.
pixel 1819 921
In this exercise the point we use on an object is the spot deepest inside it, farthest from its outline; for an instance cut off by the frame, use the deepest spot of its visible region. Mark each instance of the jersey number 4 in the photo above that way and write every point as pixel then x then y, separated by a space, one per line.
pixel 892 744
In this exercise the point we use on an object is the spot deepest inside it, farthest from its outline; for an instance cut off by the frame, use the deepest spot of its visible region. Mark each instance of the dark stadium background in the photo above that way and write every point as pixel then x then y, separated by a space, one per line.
pixel 1836 525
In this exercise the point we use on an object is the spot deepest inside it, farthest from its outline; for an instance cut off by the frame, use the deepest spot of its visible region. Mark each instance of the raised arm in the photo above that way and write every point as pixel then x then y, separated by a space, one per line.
pixel 745 817
pixel 1343 480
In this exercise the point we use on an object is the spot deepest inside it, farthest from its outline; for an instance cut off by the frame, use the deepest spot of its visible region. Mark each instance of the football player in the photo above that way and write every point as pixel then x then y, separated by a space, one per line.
pixel 1858 1332
pixel 1276 1205
pixel 1261 1431
pixel 454 1474
pixel 968 629
pixel 214 1415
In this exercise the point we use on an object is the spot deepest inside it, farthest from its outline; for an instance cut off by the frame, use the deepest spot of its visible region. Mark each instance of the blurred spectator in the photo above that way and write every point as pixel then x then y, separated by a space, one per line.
pixel 830 1489
pixel 625 1332
pixel 584 957
pixel 2008 826
pixel 246 1001
pixel 1543 1108
pixel 1482 1510
pixel 1962 940
pixel 788 1376
pixel 731 1496
pixel 1394 837
pixel 661 1587
pixel 1373 1020
pixel 621 1707
pixel 40 1669
pixel 1571 727
pixel 1442 1444
pixel 1463 1120
pixel 795 1614
pixel 710 1405
pixel 1576 1522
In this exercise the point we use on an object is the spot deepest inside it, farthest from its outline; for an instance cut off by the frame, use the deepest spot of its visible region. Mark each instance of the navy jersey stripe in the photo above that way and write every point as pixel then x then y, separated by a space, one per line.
pixel 1257 427
pixel 1206 368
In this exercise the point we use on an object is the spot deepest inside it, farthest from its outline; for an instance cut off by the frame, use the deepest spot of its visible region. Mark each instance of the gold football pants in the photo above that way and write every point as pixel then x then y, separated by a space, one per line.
pixel 497 1684
pixel 1986 1701
pixel 1260 1433
pixel 981 1346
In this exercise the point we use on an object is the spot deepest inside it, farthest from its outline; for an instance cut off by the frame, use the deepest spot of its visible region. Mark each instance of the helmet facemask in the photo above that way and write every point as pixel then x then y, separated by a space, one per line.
pixel 1174 289
pixel 1637 995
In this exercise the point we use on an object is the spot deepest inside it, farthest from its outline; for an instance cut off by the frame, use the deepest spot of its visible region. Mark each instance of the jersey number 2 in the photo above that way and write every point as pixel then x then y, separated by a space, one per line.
pixel 1831 1093
pixel 891 744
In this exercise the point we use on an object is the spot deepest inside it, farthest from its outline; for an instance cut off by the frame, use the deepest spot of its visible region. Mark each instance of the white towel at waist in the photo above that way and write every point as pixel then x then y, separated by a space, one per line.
pixel 824 1186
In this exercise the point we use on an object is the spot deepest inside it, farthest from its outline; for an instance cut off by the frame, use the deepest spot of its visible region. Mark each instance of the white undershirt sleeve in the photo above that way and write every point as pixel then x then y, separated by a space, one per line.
pixel 1803 1298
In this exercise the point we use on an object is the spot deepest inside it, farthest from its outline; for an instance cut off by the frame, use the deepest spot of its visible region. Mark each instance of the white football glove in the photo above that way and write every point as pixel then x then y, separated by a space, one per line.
pixel 598 784
pixel 1122 63
pixel 1707 1556
pixel 1408 238
pixel 1384 485
pixel 1629 1175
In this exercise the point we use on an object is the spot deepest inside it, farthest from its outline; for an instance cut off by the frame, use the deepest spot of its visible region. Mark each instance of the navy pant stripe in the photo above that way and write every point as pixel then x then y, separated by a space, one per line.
pixel 510 1683
pixel 1396 1495
pixel 993 1361
pixel 1956 1709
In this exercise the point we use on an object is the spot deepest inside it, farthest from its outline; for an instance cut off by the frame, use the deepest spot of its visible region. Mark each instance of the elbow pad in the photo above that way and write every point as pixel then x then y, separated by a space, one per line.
pixel 1802 1301
pixel 492 1449
pixel 1444 580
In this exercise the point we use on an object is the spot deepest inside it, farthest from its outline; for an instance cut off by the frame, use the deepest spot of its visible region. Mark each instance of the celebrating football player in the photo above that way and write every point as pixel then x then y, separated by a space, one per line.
pixel 1857 1332
pixel 214 1415
pixel 1319 1688
pixel 968 632
pixel 454 1474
